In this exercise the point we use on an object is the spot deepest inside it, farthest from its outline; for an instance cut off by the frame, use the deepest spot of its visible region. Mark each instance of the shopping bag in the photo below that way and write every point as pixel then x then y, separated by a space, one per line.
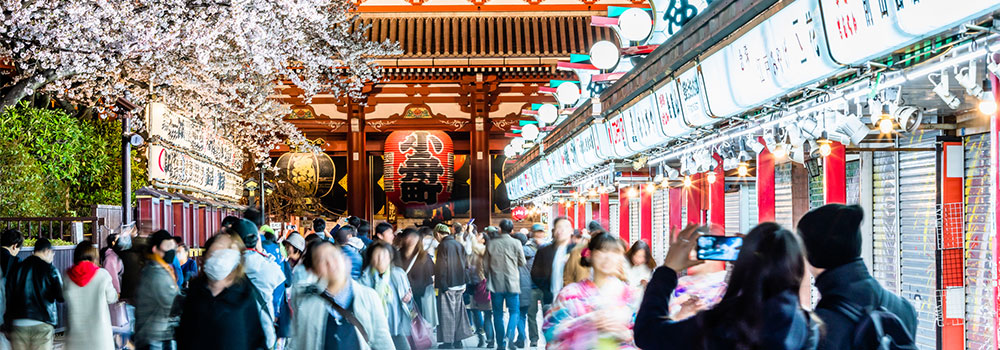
pixel 420 333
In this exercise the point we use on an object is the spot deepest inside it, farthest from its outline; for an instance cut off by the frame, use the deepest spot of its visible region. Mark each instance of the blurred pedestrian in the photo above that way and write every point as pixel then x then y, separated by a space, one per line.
pixel 480 309
pixel 550 261
pixel 222 307
pixel 117 312
pixel 353 255
pixel 529 309
pixel 420 271
pixel 156 294
pixel 641 264
pixel 449 270
pixel 525 297
pixel 393 288
pixel 504 256
pixel 263 271
pixel 34 289
pixel 760 310
pixel 88 293
pixel 597 312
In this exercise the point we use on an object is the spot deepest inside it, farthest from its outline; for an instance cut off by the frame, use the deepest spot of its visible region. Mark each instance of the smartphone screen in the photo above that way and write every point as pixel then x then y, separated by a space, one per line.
pixel 722 248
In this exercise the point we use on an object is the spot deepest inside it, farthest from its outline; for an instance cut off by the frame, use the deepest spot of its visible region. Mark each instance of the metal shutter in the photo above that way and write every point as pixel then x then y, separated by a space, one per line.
pixel 613 217
pixel 885 224
pixel 783 195
pixel 733 212
pixel 816 186
pixel 853 182
pixel 633 220
pixel 748 207
pixel 979 240
pixel 918 231
pixel 684 210
pixel 661 233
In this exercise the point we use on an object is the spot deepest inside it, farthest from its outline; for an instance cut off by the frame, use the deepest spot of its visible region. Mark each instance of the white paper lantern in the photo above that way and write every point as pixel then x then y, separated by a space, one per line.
pixel 635 24
pixel 518 144
pixel 548 113
pixel 529 132
pixel 509 151
pixel 568 93
pixel 604 55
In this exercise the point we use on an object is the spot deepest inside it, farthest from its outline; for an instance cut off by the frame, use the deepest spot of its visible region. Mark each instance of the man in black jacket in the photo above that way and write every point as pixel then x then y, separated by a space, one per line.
pixel 832 238
pixel 11 240
pixel 449 272
pixel 36 288
pixel 550 261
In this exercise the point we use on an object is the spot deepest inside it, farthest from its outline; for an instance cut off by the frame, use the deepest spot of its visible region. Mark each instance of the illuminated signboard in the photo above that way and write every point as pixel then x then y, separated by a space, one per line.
pixel 617 135
pixel 783 53
pixel 670 15
pixel 861 30
pixel 691 89
pixel 671 110
pixel 643 130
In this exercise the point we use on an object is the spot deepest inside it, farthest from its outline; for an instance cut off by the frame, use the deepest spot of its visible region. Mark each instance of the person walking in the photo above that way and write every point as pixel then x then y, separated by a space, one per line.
pixel 503 257
pixel 342 238
pixel 117 312
pixel 393 288
pixel 529 309
pixel 337 312
pixel 155 296
pixel 11 240
pixel 88 293
pixel 449 269
pixel 420 271
pixel 222 307
pixel 761 307
pixel 480 309
pixel 832 239
pixel 641 264
pixel 550 261
pixel 34 289
pixel 188 267
pixel 525 297
pixel 263 271
pixel 597 312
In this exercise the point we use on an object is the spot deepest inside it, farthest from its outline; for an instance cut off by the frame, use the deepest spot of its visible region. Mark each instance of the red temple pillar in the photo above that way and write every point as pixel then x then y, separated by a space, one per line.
pixel 605 211
pixel 765 185
pixel 481 175
pixel 623 219
pixel 717 197
pixel 995 194
pixel 646 213
pixel 950 172
pixel 835 175
pixel 581 214
pixel 694 194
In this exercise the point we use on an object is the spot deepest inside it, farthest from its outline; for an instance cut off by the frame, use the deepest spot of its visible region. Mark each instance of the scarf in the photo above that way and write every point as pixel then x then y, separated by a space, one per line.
pixel 159 261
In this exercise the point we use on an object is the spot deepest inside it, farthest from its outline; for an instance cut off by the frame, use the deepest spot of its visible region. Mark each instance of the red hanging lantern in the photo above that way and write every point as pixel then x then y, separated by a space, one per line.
pixel 519 213
pixel 418 168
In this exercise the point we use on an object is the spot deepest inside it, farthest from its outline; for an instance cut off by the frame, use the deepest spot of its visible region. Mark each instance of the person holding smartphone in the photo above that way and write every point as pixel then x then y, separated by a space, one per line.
pixel 760 309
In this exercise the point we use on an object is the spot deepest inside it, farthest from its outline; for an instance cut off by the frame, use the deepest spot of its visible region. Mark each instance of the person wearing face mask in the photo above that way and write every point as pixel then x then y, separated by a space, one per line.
pixel 155 295
pixel 88 292
pixel 262 269
pixel 222 308
pixel 393 288
pixel 117 311
pixel 130 259
pixel 35 288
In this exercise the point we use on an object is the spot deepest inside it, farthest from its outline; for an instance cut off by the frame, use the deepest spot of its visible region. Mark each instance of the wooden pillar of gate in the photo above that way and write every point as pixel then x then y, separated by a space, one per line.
pixel 358 175
pixel 479 92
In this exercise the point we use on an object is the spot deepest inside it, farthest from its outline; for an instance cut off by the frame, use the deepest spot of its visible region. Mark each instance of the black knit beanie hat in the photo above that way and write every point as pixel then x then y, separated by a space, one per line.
pixel 832 235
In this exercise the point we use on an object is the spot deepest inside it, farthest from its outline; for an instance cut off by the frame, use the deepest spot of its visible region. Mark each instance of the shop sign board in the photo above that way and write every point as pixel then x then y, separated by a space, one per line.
pixel 671 110
pixel 180 132
pixel 176 168
pixel 617 135
pixel 670 15
pixel 782 53
pixel 643 129
pixel 692 92
pixel 602 141
pixel 858 31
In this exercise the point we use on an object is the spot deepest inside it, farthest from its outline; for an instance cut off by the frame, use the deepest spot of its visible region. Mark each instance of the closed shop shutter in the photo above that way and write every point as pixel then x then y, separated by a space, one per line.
pixel 783 194
pixel 885 224
pixel 613 217
pixel 633 219
pixel 918 225
pixel 815 184
pixel 733 212
pixel 979 241
pixel 684 210
pixel 748 206
pixel 853 181
pixel 661 212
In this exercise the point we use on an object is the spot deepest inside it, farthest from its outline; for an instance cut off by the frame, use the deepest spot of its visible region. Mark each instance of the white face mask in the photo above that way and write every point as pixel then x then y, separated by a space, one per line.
pixel 221 264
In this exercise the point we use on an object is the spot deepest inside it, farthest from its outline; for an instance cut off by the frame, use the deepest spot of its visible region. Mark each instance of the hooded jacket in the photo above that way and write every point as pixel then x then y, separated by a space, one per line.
pixel 88 290
pixel 35 288
pixel 785 325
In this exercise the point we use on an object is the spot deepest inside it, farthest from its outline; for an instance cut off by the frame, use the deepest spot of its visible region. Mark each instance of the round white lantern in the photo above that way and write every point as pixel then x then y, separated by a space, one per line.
pixel 604 55
pixel 529 132
pixel 548 113
pixel 568 93
pixel 635 24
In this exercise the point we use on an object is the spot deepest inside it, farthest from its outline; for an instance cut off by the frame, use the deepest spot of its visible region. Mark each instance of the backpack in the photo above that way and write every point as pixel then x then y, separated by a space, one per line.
pixel 875 327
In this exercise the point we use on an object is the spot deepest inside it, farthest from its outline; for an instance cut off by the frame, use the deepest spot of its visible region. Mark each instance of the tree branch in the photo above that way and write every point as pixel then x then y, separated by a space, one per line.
pixel 20 90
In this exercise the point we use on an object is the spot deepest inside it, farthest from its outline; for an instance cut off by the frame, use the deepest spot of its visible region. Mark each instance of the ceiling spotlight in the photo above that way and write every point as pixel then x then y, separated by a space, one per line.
pixel 743 169
pixel 797 154
pixel 604 55
pixel 825 145
pixel 754 145
pixel 635 24
pixel 658 177
pixel 988 107
pixel 673 174
pixel 530 132
pixel 779 151
pixel 710 177
pixel 967 78
pixel 548 113
pixel 593 192
pixel 941 89
pixel 853 128
pixel 885 124
pixel 687 181
pixel 909 117
pixel 568 93
pixel 631 192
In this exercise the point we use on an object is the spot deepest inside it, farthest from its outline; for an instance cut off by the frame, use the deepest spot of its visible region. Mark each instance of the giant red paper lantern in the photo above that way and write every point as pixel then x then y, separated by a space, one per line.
pixel 519 213
pixel 418 168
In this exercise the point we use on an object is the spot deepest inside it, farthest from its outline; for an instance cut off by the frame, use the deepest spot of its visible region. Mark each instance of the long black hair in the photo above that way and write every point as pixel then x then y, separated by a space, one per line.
pixel 370 253
pixel 641 246
pixel 771 262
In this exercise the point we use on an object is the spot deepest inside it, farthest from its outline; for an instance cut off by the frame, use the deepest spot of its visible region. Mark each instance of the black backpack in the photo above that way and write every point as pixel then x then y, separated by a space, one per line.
pixel 875 328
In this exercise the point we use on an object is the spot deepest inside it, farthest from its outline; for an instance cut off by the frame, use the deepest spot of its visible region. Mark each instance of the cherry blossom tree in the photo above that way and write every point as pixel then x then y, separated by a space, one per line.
pixel 214 59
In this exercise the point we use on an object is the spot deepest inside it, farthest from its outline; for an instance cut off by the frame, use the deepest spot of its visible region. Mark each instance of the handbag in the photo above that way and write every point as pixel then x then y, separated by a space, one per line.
pixel 482 296
pixel 420 333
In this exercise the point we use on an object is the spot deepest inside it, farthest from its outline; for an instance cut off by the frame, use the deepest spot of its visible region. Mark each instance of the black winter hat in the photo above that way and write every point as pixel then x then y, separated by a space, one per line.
pixel 832 234
pixel 247 231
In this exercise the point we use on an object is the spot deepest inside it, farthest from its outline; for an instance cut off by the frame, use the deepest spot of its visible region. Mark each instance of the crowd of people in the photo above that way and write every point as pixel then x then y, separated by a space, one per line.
pixel 352 287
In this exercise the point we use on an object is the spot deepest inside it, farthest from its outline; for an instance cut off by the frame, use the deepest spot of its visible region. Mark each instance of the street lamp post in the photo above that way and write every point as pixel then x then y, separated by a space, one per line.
pixel 125 108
